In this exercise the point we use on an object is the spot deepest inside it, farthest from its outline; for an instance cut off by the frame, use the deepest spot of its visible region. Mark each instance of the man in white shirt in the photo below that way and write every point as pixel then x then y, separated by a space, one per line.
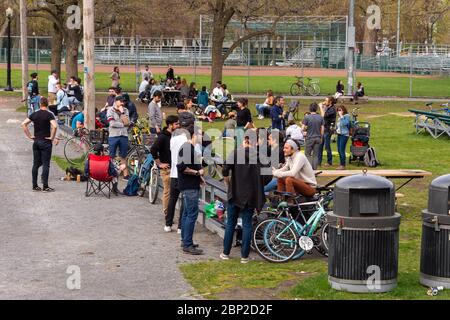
pixel 144 84
pixel 147 74
pixel 297 175
pixel 294 131
pixel 52 81
pixel 217 92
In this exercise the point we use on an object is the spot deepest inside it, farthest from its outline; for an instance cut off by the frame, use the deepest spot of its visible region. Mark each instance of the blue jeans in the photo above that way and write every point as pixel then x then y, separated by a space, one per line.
pixel 247 228
pixel 261 107
pixel 120 142
pixel 271 186
pixel 342 146
pixel 327 144
pixel 189 217
pixel 34 104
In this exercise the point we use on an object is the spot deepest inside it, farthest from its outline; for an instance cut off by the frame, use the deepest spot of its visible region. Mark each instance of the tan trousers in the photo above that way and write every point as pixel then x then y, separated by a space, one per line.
pixel 165 176
pixel 51 98
pixel 295 186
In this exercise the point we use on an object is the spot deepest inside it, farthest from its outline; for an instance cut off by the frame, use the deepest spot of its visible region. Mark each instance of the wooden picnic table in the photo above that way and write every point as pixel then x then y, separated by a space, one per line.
pixel 408 174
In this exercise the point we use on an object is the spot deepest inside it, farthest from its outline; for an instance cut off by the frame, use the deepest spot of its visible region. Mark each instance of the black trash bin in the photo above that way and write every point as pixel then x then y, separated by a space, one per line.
pixel 435 251
pixel 363 235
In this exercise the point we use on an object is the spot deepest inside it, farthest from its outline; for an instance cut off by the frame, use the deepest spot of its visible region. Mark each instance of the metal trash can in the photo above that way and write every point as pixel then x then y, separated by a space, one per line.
pixel 435 250
pixel 363 235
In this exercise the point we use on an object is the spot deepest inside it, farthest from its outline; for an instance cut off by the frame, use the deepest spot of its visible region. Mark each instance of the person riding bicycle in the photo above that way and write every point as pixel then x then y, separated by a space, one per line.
pixel 297 175
pixel 33 94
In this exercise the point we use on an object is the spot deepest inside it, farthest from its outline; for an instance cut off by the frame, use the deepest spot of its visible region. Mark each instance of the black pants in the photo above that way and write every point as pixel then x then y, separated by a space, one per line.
pixel 42 154
pixel 174 195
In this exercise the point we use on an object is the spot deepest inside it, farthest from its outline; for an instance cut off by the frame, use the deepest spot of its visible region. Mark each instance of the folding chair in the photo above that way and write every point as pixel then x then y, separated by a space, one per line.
pixel 99 180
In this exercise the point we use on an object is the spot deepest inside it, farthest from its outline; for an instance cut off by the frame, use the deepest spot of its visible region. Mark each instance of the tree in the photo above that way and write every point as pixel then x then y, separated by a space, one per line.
pixel 57 12
pixel 223 11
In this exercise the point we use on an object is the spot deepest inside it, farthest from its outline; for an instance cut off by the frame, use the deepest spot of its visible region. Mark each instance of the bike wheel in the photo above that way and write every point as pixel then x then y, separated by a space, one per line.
pixel 153 186
pixel 296 90
pixel 314 89
pixel 274 240
pixel 76 151
pixel 135 159
pixel 143 183
pixel 323 246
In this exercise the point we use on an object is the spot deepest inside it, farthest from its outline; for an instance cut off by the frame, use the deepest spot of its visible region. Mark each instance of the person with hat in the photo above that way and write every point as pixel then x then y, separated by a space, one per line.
pixel 297 175
pixel 119 120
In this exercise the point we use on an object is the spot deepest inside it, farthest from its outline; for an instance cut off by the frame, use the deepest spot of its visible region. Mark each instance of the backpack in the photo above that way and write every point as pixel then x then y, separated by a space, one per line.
pixel 73 116
pixel 30 88
pixel 370 158
pixel 132 187
pixel 146 168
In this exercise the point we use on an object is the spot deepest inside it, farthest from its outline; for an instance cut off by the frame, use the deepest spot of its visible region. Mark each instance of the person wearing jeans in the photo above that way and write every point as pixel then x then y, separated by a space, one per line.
pixel 190 173
pixel 45 128
pixel 328 112
pixel 343 134
pixel 313 124
pixel 245 195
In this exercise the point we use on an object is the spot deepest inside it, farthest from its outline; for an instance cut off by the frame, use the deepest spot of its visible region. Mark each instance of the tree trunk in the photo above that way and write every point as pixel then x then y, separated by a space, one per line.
pixel 370 39
pixel 72 43
pixel 57 47
pixel 218 37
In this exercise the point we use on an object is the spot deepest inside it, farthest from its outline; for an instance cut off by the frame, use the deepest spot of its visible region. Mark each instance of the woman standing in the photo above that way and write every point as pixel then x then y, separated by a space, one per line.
pixel 115 78
pixel 243 120
pixel 343 133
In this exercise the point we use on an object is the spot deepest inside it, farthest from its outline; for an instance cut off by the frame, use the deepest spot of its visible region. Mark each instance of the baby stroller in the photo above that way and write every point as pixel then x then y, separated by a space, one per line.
pixel 360 141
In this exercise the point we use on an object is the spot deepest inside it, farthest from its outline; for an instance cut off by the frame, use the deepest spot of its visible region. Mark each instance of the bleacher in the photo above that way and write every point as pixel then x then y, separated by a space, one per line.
pixel 435 123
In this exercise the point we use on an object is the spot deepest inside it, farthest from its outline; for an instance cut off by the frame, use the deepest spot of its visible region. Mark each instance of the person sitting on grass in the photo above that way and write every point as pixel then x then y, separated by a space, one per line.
pixel 295 132
pixel 203 98
pixel 265 107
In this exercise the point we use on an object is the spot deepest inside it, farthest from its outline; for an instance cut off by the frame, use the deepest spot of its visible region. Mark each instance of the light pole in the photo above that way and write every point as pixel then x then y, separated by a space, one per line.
pixel 9 15
pixel 351 47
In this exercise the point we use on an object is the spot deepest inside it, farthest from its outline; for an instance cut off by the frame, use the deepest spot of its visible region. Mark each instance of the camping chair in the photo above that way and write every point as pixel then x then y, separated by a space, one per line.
pixel 99 181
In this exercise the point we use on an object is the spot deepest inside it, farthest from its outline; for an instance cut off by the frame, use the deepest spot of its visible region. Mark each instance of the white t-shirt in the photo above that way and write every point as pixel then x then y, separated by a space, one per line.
pixel 177 140
pixel 142 86
pixel 52 81
pixel 295 132
pixel 217 92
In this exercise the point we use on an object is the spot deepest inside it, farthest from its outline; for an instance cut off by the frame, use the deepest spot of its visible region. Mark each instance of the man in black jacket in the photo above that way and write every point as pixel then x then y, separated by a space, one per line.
pixel 160 151
pixel 245 194
pixel 328 113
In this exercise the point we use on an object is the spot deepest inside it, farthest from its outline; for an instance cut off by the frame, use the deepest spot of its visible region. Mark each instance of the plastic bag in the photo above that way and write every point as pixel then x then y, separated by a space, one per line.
pixel 210 210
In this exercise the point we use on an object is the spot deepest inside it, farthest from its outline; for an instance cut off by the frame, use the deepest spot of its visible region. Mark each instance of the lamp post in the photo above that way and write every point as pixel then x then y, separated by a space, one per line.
pixel 9 15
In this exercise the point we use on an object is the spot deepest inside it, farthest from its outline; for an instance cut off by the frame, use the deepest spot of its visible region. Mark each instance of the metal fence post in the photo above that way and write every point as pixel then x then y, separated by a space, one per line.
pixel 410 72
pixel 248 67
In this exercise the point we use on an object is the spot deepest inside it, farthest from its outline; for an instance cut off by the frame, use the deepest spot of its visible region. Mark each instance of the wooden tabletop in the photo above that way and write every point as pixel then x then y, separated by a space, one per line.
pixel 400 173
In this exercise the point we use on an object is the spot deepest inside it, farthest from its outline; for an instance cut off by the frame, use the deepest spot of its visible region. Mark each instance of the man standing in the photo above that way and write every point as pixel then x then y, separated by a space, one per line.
pixel 179 137
pixel 170 75
pixel 160 151
pixel 52 90
pixel 328 112
pixel 45 127
pixel 119 121
pixel 155 114
pixel 33 93
pixel 147 73
pixel 190 177
pixel 245 194
pixel 313 124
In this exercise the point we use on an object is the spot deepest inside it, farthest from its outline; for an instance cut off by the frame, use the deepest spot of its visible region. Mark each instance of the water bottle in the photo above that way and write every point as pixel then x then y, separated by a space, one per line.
pixel 220 208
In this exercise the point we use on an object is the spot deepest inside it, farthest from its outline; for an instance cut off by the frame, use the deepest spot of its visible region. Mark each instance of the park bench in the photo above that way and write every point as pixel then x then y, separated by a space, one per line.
pixel 435 123
pixel 350 99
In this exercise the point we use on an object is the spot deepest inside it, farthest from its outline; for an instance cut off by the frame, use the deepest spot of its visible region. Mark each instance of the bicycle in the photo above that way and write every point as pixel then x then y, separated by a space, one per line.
pixel 77 147
pixel 301 87
pixel 283 238
pixel 148 177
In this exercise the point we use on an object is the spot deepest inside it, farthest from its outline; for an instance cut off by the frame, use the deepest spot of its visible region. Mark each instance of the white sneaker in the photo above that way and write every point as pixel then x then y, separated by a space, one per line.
pixel 167 229
pixel 179 231
pixel 245 260
pixel 224 256
pixel 260 117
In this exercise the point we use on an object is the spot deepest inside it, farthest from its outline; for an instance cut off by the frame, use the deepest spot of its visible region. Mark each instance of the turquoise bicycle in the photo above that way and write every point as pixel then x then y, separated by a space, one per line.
pixel 285 238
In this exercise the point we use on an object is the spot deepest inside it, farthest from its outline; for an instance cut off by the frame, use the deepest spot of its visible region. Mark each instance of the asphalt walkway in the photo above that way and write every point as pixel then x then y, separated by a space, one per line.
pixel 118 244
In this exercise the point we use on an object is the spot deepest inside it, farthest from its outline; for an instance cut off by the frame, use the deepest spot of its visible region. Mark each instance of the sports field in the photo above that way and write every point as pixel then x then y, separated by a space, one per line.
pixel 260 80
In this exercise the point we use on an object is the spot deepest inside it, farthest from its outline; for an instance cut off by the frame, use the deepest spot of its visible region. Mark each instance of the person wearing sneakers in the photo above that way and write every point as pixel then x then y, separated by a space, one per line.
pixel 45 128
pixel 119 121
pixel 190 177
pixel 179 137
pixel 245 194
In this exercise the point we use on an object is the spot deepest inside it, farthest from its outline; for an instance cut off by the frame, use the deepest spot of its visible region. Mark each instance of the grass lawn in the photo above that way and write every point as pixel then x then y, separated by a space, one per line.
pixel 422 87
pixel 398 147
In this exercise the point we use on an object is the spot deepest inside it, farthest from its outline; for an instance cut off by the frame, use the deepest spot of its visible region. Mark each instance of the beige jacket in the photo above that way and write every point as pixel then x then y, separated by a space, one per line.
pixel 297 166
